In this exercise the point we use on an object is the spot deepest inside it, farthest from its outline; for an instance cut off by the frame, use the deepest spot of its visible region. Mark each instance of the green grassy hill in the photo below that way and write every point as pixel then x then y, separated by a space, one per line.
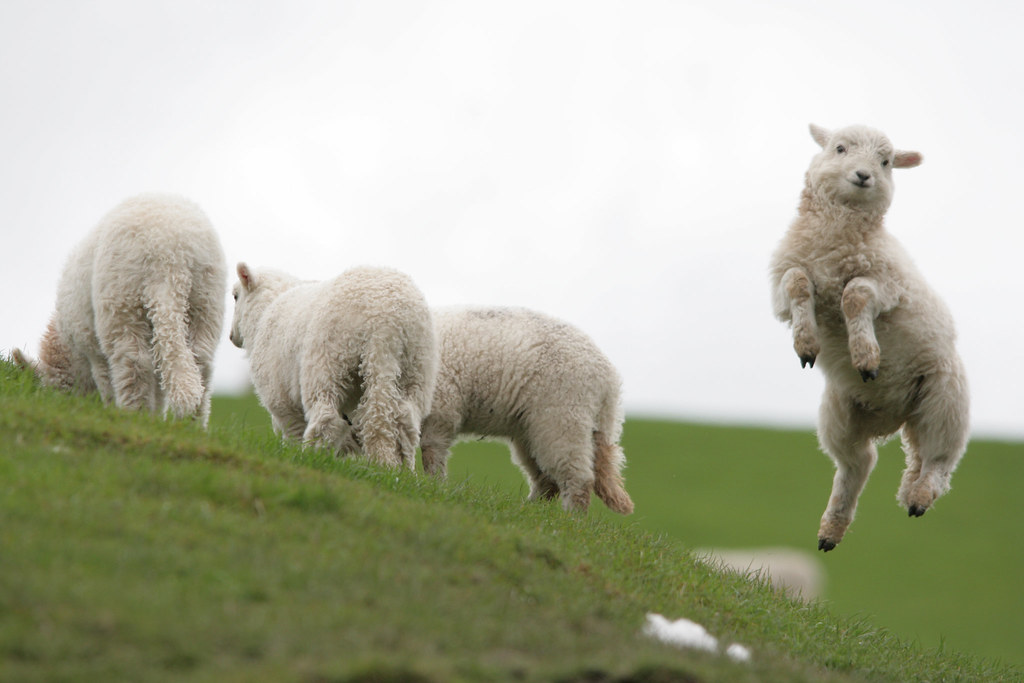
pixel 949 579
pixel 136 549
pixel 952 578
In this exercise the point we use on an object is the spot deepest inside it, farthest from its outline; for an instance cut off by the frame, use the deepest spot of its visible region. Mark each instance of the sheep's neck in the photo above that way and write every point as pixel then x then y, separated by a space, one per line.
pixel 836 222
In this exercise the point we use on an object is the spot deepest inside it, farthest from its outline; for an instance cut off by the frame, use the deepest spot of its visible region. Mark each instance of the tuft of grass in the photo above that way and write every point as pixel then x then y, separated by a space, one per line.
pixel 138 549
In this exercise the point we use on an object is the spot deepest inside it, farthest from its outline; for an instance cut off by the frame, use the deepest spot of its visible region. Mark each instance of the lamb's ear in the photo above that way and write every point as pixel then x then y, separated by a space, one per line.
pixel 820 135
pixel 23 361
pixel 907 159
pixel 245 276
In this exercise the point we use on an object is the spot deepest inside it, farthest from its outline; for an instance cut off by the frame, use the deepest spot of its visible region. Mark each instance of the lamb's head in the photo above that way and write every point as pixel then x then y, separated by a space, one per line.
pixel 55 366
pixel 854 168
pixel 253 291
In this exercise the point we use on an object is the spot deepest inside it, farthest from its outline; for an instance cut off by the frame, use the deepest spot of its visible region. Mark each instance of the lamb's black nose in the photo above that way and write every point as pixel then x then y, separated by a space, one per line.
pixel 863 175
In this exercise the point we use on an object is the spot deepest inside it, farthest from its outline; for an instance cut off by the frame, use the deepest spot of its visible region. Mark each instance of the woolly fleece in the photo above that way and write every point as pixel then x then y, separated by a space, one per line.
pixel 538 383
pixel 140 308
pixel 859 308
pixel 347 363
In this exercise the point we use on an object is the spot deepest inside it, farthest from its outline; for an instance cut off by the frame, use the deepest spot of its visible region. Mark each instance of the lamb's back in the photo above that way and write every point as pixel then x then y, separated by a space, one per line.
pixel 502 361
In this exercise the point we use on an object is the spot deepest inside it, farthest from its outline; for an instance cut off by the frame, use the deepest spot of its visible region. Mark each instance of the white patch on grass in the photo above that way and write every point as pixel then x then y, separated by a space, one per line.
pixel 690 634
pixel 738 653
pixel 681 633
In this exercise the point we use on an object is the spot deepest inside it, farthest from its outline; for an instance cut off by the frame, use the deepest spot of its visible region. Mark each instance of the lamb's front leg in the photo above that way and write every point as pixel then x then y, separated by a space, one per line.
pixel 436 439
pixel 861 305
pixel 799 293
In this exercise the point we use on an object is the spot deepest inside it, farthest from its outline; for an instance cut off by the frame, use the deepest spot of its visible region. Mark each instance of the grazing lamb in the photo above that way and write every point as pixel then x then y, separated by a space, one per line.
pixel 360 346
pixel 797 573
pixel 542 385
pixel 140 307
pixel 885 341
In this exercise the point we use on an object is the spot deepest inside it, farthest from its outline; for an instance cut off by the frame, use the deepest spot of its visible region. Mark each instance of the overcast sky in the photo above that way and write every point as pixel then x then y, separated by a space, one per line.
pixel 628 167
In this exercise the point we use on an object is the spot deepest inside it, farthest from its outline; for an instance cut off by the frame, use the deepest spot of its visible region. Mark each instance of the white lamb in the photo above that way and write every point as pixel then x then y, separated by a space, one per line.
pixel 539 383
pixel 798 573
pixel 360 347
pixel 140 307
pixel 883 338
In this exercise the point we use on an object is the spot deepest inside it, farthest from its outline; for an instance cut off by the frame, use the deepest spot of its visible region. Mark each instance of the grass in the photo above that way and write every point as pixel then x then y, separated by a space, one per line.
pixel 137 549
pixel 949 579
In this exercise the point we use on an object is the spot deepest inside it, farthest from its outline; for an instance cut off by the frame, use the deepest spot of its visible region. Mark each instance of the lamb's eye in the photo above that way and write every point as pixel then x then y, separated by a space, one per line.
pixel 235 294
pixel 840 150
pixel 885 162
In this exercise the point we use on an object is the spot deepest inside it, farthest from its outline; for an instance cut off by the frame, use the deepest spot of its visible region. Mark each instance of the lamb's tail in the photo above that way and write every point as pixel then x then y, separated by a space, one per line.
pixel 388 421
pixel 608 482
pixel 609 460
pixel 166 301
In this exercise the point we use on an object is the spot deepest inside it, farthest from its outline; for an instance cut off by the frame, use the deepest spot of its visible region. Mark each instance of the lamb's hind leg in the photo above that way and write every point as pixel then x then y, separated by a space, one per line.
pixel 843 436
pixel 289 423
pixel 564 452
pixel 542 487
pixel 180 376
pixel 325 386
pixel 934 440
pixel 383 420
pixel 101 376
pixel 204 334
pixel 132 366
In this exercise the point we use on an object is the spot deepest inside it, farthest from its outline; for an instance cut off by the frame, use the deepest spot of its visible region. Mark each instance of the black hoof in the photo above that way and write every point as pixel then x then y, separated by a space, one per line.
pixel 915 510
pixel 825 545
pixel 807 360
pixel 868 374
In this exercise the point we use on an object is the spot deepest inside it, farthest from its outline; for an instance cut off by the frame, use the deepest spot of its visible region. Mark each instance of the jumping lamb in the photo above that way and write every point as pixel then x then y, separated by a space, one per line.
pixel 885 341
pixel 140 308
pixel 542 385
pixel 347 363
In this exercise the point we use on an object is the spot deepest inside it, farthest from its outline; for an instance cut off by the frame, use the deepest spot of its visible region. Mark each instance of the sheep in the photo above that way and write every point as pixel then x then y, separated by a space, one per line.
pixel 538 383
pixel 797 573
pixel 347 363
pixel 884 340
pixel 140 308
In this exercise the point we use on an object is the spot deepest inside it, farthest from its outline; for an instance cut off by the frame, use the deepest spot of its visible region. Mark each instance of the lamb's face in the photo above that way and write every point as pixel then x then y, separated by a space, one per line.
pixel 854 168
pixel 240 295
pixel 56 366
pixel 244 291
pixel 252 293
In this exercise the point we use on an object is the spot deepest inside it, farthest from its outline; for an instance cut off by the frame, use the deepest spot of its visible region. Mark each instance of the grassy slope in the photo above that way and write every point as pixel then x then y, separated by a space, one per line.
pixel 142 550
pixel 951 578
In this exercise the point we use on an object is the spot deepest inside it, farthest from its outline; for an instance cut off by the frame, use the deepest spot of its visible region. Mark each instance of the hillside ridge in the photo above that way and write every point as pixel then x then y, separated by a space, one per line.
pixel 135 548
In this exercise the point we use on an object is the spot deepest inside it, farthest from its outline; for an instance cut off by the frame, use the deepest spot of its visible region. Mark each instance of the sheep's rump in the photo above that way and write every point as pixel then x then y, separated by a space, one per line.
pixel 141 304
pixel 358 348
pixel 539 383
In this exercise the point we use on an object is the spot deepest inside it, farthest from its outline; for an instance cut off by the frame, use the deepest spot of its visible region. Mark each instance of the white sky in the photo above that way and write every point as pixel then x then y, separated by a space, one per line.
pixel 628 166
